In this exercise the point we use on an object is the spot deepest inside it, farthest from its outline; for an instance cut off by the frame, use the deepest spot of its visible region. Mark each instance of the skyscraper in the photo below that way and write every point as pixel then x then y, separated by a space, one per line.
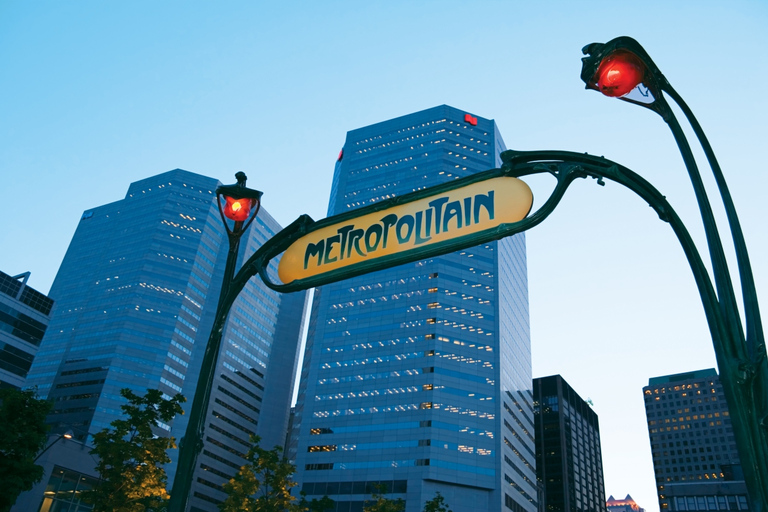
pixel 694 452
pixel 136 295
pixel 569 461
pixel 419 377
pixel 24 315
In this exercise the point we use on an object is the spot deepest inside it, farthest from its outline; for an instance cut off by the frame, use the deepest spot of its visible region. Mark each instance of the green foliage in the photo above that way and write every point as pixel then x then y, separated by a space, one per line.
pixel 382 504
pixel 436 504
pixel 315 505
pixel 23 433
pixel 264 484
pixel 131 457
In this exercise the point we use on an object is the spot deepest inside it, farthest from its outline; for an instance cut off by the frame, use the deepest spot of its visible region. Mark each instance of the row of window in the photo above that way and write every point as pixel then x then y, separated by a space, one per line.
pixel 703 503
pixel 355 487
pixel 20 325
pixel 461 448
pixel 400 464
pixel 464 429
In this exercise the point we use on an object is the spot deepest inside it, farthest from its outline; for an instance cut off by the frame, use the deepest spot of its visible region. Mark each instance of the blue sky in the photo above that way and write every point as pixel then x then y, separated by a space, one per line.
pixel 96 95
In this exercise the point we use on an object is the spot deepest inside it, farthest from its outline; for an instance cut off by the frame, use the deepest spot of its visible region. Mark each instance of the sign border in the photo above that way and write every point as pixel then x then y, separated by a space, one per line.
pixel 408 256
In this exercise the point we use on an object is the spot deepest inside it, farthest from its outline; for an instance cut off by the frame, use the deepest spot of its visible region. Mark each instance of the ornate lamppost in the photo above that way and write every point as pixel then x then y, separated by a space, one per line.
pixel 621 68
pixel 239 204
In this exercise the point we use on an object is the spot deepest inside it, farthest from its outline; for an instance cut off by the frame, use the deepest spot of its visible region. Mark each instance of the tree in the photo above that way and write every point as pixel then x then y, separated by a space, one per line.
pixel 315 505
pixel 264 484
pixel 131 457
pixel 23 433
pixel 436 504
pixel 382 504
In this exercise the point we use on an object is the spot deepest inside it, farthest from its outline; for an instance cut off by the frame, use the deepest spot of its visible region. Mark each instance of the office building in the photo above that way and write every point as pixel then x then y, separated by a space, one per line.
pixel 569 461
pixel 135 300
pixel 24 316
pixel 625 505
pixel 694 452
pixel 419 377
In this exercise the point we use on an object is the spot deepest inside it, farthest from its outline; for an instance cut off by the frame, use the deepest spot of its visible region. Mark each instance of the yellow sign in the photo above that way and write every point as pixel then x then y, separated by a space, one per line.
pixel 413 225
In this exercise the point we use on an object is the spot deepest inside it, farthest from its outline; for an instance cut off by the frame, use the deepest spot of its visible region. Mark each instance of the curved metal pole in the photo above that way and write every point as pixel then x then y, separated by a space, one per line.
pixel 567 166
pixel 743 381
pixel 753 370
pixel 754 328
pixel 743 366
pixel 723 283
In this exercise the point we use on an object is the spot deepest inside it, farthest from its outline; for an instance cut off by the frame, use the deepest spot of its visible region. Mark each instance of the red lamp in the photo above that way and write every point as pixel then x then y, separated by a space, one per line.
pixel 238 203
pixel 622 69
pixel 619 73
pixel 237 209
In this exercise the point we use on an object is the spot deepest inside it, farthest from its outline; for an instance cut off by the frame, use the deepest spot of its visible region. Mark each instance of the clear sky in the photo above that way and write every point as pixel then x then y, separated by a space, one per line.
pixel 96 95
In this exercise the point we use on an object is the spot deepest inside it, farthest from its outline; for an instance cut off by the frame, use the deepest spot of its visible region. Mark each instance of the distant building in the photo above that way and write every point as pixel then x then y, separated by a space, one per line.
pixel 569 461
pixel 136 297
pixel 24 316
pixel 694 452
pixel 625 505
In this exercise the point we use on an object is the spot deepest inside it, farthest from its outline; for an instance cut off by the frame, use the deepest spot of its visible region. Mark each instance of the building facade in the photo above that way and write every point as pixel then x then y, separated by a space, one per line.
pixel 136 296
pixel 569 461
pixel 24 316
pixel 694 452
pixel 625 505
pixel 418 377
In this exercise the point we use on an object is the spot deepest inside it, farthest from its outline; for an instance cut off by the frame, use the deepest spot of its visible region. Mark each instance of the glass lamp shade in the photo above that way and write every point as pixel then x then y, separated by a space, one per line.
pixel 619 73
pixel 237 209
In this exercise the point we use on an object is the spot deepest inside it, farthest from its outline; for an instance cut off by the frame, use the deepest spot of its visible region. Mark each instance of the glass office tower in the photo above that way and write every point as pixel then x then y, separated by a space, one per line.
pixel 569 460
pixel 695 458
pixel 24 315
pixel 135 299
pixel 419 377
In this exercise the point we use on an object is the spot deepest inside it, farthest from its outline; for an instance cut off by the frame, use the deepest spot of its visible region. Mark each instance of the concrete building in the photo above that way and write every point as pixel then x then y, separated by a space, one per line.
pixel 569 461
pixel 68 470
pixel 135 300
pixel 24 316
pixel 694 452
pixel 419 377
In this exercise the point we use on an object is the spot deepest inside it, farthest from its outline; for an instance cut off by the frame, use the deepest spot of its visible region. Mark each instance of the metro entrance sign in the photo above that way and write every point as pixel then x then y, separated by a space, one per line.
pixel 415 226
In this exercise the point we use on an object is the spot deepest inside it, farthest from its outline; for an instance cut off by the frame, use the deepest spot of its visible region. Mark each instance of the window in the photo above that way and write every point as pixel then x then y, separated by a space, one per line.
pixel 64 489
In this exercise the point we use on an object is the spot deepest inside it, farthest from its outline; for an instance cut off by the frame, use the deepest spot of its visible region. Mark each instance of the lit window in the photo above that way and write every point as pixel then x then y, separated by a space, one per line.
pixel 322 448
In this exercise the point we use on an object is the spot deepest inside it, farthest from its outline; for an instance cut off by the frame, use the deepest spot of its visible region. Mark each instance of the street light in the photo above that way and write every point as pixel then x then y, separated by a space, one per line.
pixel 622 68
pixel 239 204
pixel 66 435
